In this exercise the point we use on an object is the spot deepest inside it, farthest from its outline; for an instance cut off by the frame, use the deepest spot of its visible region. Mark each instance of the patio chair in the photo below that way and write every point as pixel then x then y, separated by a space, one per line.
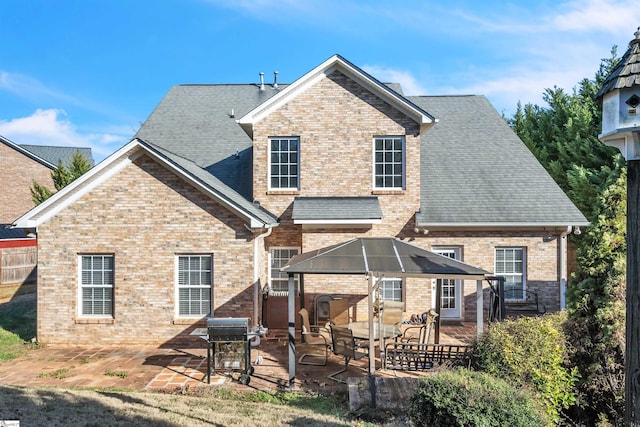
pixel 420 334
pixel 392 312
pixel 339 312
pixel 344 345
pixel 314 336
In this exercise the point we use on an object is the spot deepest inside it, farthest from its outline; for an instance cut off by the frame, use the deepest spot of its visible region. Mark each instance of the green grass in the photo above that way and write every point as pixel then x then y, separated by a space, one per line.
pixel 17 327
pixel 120 374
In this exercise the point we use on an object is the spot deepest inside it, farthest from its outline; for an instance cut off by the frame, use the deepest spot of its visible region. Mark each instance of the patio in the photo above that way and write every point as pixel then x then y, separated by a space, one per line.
pixel 154 369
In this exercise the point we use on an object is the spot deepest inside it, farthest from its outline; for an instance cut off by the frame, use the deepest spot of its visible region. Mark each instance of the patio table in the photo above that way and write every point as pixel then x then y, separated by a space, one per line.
pixel 360 330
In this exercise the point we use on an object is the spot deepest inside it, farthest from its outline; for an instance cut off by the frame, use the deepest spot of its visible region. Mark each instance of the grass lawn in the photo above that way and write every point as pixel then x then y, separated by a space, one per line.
pixel 17 326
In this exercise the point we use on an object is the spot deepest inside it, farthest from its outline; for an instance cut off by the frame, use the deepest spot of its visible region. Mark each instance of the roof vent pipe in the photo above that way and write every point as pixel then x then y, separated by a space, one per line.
pixel 261 80
pixel 275 80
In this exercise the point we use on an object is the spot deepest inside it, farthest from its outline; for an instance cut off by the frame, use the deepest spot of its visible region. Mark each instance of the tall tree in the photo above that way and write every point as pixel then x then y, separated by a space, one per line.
pixel 564 138
pixel 62 176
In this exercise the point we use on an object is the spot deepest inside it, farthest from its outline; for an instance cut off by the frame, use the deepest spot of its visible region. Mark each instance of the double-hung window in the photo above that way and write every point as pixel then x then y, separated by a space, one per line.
pixel 511 264
pixel 279 281
pixel 388 163
pixel 96 285
pixel 391 289
pixel 284 163
pixel 194 285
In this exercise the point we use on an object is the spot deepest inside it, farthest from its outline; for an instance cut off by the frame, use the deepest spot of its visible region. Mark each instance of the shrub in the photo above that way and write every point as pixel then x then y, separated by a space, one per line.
pixel 466 398
pixel 530 352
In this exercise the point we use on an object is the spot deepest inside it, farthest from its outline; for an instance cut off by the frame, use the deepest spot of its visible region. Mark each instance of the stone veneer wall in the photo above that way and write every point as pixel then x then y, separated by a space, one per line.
pixel 145 216
pixel 17 173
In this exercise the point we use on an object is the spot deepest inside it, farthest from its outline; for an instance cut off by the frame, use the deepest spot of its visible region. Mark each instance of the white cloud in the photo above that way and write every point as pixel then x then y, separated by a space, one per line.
pixel 410 85
pixel 51 127
pixel 612 16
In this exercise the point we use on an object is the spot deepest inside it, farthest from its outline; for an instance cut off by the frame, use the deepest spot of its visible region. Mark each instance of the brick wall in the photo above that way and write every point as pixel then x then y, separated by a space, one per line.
pixel 144 215
pixel 20 171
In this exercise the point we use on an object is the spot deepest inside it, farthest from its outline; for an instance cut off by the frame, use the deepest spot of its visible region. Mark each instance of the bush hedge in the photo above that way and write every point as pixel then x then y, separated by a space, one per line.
pixel 530 352
pixel 467 398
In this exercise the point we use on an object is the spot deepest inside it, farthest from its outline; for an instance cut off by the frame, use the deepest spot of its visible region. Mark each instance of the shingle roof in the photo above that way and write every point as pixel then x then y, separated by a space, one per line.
pixel 475 170
pixel 195 122
pixel 55 155
pixel 336 208
pixel 627 72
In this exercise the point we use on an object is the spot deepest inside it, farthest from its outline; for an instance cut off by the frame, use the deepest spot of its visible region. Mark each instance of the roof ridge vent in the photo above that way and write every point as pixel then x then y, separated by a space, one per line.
pixel 261 80
pixel 275 80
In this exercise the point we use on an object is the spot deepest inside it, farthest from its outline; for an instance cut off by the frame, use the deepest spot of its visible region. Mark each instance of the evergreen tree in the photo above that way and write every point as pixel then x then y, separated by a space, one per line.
pixel 62 176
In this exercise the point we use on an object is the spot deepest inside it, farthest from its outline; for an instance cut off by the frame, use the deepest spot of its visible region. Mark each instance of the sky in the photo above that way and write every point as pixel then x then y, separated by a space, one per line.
pixel 87 73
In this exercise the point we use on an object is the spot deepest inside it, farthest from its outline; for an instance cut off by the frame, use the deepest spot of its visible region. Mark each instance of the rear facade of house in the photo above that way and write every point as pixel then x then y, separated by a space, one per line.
pixel 223 184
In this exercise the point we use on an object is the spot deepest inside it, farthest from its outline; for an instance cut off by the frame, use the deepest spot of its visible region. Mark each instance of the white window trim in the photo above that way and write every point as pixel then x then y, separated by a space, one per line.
pixel 524 269
pixel 295 276
pixel 404 163
pixel 269 187
pixel 176 280
pixel 80 287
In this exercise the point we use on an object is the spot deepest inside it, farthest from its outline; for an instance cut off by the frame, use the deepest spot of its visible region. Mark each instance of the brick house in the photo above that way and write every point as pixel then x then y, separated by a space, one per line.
pixel 20 166
pixel 224 183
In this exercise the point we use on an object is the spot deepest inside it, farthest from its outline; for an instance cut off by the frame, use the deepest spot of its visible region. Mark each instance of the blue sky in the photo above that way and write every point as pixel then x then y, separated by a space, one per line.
pixel 87 73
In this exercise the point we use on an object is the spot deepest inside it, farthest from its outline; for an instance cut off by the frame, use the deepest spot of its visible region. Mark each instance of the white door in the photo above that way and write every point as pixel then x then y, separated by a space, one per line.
pixel 451 296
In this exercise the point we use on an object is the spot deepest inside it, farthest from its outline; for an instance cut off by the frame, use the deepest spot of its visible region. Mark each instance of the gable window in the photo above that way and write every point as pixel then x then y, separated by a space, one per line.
pixel 391 289
pixel 279 281
pixel 284 163
pixel 96 285
pixel 388 152
pixel 511 264
pixel 194 285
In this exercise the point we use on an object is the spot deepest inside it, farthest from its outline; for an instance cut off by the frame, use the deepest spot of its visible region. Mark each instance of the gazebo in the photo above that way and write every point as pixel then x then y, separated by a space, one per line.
pixel 375 258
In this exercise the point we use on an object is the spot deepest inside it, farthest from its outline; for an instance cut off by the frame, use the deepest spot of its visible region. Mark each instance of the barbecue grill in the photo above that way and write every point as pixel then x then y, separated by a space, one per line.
pixel 229 342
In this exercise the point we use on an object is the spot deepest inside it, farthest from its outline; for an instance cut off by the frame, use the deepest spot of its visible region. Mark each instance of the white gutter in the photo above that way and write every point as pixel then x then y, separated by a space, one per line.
pixel 256 275
pixel 563 266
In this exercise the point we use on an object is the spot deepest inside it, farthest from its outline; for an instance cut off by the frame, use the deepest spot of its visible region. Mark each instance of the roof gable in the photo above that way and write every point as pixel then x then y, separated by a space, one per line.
pixel 207 183
pixel 336 63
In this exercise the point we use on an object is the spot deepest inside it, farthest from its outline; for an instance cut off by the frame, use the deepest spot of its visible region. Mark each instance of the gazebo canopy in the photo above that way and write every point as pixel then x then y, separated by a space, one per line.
pixel 381 255
pixel 375 257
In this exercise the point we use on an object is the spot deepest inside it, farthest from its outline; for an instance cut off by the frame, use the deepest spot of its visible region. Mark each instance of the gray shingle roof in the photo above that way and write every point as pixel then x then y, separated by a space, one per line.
pixel 336 208
pixel 475 170
pixel 195 122
pixel 55 155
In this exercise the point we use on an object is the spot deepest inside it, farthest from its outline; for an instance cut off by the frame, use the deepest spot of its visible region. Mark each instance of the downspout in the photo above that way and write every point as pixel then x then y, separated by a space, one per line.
pixel 563 266
pixel 257 291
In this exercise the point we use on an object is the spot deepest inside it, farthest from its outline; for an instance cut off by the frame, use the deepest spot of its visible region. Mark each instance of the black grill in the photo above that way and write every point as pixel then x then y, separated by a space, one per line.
pixel 228 329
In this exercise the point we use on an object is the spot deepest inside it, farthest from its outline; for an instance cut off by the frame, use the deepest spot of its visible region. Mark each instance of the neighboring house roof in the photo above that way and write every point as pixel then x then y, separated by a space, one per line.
pixel 55 155
pixel 477 172
pixel 336 210
pixel 208 184
pixel 28 153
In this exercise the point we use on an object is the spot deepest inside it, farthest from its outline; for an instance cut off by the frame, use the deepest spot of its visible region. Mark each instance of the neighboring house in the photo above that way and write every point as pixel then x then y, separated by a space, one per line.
pixel 20 167
pixel 224 183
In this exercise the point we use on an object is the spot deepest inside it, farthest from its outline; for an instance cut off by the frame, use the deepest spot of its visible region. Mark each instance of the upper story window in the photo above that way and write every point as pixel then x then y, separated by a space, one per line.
pixel 284 163
pixel 388 163
pixel 96 285
pixel 194 285
pixel 511 264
